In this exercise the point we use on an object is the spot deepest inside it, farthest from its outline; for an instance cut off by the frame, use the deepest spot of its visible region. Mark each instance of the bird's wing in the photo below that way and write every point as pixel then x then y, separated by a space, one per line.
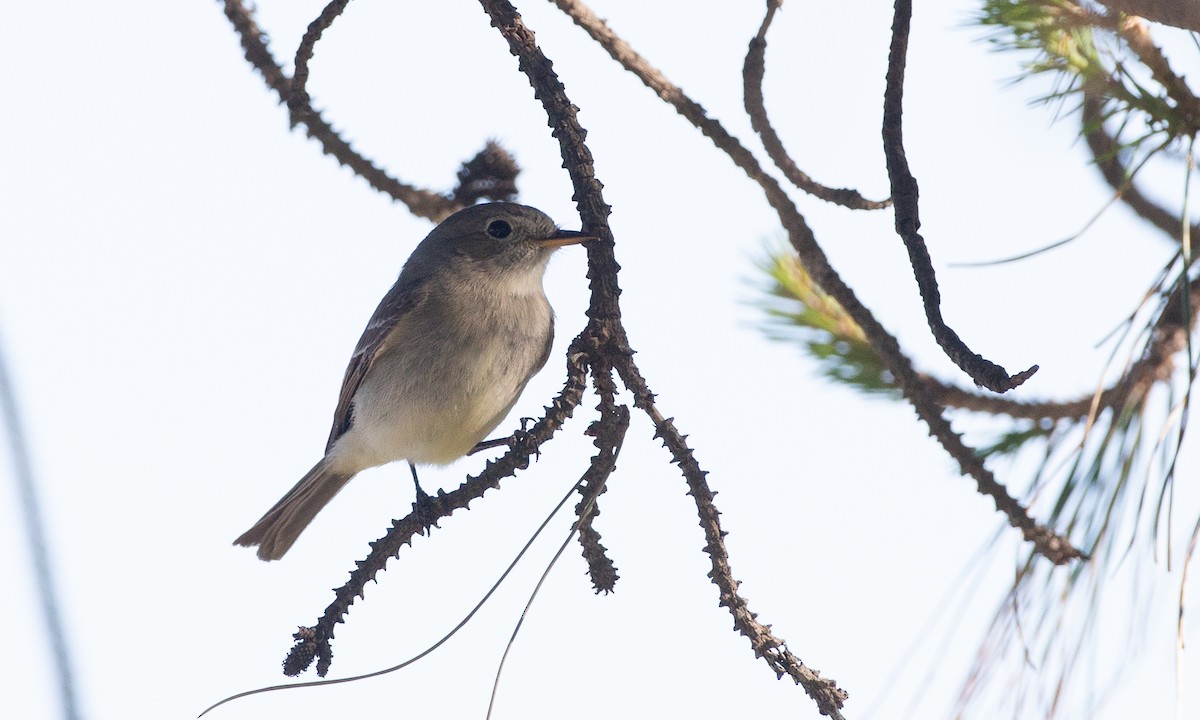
pixel 398 302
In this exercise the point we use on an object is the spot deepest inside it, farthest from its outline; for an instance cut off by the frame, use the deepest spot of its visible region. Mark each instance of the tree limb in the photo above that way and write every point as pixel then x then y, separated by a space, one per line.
pixel 1180 13
pixel 423 203
pixel 1106 154
pixel 1054 547
pixel 904 195
pixel 753 71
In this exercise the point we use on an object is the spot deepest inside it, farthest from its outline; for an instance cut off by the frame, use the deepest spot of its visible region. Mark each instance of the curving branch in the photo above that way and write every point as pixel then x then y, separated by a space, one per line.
pixel 1049 544
pixel 1106 154
pixel 298 101
pixel 904 195
pixel 854 362
pixel 1168 338
pixel 753 71
pixel 423 203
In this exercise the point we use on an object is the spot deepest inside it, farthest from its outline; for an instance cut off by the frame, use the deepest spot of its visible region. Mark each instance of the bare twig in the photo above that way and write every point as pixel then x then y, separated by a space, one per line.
pixel 1167 338
pixel 609 432
pixel 752 73
pixel 423 203
pixel 1106 154
pixel 824 691
pixel 600 567
pixel 1056 548
pixel 904 195
pixel 298 101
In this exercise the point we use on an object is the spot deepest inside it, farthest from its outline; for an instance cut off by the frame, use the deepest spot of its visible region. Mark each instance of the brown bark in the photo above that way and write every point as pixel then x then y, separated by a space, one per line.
pixel 1180 13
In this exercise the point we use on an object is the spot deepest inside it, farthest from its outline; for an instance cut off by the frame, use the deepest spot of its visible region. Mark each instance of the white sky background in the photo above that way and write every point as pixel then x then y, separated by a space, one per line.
pixel 182 280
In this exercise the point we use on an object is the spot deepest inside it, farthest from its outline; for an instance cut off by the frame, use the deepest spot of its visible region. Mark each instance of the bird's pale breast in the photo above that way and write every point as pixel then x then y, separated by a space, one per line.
pixel 434 412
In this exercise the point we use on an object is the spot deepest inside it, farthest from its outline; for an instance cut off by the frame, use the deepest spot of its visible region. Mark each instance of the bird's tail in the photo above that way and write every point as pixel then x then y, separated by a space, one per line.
pixel 276 531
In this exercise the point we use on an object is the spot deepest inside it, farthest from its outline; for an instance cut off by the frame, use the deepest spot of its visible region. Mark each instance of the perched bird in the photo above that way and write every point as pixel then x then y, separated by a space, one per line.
pixel 441 362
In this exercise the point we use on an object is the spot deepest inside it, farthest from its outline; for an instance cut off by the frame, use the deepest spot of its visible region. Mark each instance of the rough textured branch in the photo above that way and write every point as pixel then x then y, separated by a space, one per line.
pixel 1054 547
pixel 752 74
pixel 600 567
pixel 1180 13
pixel 904 195
pixel 298 101
pixel 423 203
pixel 824 691
pixel 1167 338
pixel 609 432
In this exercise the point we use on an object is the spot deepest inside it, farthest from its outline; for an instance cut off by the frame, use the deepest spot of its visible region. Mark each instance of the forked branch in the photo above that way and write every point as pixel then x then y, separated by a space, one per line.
pixel 1047 542
pixel 612 347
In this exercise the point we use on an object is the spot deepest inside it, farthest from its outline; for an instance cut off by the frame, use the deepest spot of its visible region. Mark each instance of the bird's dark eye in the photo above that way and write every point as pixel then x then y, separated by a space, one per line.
pixel 499 229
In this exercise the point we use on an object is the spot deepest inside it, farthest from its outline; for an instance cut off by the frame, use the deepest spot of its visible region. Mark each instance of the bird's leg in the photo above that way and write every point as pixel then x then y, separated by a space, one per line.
pixel 423 506
pixel 417 483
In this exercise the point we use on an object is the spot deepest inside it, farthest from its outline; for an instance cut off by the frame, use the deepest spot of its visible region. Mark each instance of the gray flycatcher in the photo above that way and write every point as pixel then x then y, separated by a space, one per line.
pixel 442 361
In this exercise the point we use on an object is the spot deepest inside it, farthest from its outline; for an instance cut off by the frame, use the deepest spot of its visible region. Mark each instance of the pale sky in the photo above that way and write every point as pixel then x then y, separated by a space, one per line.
pixel 182 281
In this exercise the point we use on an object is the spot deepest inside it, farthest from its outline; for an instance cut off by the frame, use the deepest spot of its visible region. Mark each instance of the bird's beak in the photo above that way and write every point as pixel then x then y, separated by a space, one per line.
pixel 564 237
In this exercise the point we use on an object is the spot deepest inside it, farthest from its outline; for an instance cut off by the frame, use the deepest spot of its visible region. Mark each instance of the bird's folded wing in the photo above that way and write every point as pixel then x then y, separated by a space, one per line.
pixel 398 302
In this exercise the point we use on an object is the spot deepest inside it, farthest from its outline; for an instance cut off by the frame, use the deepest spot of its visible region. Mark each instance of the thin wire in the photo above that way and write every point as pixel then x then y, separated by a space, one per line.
pixel 592 494
pixel 38 548
pixel 431 648
pixel 537 588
